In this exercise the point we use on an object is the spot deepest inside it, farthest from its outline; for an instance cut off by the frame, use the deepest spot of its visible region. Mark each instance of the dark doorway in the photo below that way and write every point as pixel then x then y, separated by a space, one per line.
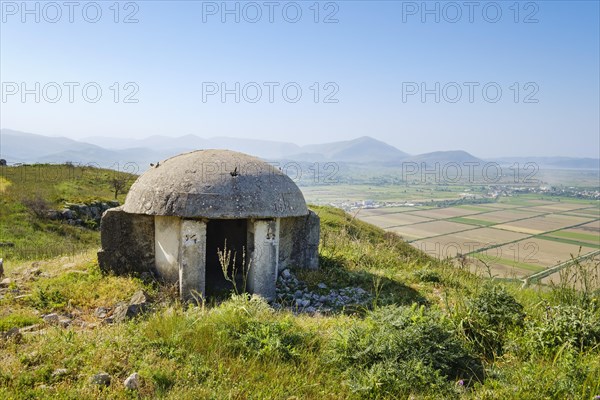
pixel 234 233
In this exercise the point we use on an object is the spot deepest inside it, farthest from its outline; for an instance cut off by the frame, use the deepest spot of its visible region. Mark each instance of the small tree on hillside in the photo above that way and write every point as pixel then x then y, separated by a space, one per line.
pixel 118 185
pixel 37 206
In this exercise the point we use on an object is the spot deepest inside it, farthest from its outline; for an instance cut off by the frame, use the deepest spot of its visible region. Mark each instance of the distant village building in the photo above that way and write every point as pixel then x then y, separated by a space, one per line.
pixel 180 213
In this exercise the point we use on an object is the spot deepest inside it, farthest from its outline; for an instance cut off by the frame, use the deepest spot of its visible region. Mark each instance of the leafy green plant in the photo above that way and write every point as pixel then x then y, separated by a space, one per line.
pixel 488 318
pixel 563 327
pixel 427 275
pixel 252 330
pixel 398 342
pixel 47 299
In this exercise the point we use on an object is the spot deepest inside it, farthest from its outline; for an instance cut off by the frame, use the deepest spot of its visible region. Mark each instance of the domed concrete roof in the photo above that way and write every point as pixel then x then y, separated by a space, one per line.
pixel 215 184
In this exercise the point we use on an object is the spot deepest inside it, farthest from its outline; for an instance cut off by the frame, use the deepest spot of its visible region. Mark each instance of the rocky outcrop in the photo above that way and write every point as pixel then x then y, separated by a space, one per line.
pixel 87 215
pixel 123 311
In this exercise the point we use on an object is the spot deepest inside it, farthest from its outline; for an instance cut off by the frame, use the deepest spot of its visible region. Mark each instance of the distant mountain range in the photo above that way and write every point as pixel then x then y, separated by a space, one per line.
pixel 21 147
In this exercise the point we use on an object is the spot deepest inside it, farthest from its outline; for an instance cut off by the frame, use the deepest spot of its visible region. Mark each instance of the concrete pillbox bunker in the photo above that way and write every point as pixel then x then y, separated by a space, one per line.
pixel 182 211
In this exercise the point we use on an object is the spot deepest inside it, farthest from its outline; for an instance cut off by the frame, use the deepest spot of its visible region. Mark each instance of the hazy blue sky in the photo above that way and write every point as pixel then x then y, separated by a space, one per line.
pixel 377 56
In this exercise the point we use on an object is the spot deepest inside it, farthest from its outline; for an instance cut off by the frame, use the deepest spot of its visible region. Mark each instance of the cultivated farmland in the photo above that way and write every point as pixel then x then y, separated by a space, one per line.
pixel 514 237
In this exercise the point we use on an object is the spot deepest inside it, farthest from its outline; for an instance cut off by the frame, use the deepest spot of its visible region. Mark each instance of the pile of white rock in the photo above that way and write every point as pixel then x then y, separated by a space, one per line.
pixel 295 295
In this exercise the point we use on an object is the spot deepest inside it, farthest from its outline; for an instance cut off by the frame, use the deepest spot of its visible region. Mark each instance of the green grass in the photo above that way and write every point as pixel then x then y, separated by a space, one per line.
pixel 471 221
pixel 18 320
pixel 34 238
pixel 434 330
pixel 242 348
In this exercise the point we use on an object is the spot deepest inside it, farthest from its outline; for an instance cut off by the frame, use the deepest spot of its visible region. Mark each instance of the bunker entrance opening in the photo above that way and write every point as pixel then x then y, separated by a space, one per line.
pixel 229 234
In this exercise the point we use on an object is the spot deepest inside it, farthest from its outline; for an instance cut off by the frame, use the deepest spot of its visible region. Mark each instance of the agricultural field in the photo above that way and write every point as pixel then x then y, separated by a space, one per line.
pixel 513 237
pixel 392 220
pixel 334 193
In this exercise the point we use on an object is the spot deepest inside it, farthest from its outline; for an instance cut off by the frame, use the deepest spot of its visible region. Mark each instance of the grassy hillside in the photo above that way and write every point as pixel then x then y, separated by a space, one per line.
pixel 433 330
pixel 27 191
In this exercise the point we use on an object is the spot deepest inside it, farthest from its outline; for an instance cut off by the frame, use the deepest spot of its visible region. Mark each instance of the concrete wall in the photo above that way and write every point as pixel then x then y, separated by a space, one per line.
pixel 192 254
pixel 264 257
pixel 299 242
pixel 175 249
pixel 127 242
pixel 166 243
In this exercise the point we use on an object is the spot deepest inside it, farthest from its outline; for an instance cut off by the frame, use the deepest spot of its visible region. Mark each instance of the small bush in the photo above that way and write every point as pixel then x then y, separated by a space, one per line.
pixel 251 329
pixel 401 351
pixel 47 299
pixel 571 327
pixel 488 318
pixel 270 339
pixel 37 206
pixel 427 275
pixel 391 377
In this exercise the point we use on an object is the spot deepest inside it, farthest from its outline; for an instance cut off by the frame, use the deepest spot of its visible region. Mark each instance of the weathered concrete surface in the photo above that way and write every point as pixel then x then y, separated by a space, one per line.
pixel 166 243
pixel 163 225
pixel 127 242
pixel 299 242
pixel 192 263
pixel 264 258
pixel 215 184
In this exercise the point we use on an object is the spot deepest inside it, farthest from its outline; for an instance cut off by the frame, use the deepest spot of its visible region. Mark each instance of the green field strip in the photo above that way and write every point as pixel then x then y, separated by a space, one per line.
pixel 576 236
pixel 510 263
pixel 570 241
pixel 471 221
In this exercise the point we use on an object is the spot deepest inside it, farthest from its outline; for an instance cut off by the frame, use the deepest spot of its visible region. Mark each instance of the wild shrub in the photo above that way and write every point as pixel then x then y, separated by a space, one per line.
pixel 563 327
pixel 427 275
pixel 392 377
pixel 47 299
pixel 488 318
pixel 401 351
pixel 37 206
pixel 269 339
pixel 249 327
